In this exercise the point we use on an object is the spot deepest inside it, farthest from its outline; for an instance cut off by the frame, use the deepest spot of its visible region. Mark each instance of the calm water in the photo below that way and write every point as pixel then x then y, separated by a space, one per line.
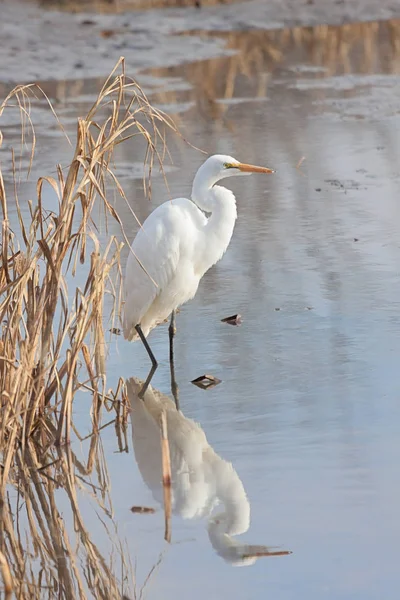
pixel 308 408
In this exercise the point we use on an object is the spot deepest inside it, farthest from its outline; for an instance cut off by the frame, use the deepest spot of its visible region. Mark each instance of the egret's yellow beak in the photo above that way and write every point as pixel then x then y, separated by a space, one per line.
pixel 252 168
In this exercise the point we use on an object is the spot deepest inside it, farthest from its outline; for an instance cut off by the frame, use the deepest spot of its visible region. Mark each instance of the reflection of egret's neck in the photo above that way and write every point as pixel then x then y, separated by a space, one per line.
pixel 238 554
pixel 230 492
pixel 234 520
pixel 226 546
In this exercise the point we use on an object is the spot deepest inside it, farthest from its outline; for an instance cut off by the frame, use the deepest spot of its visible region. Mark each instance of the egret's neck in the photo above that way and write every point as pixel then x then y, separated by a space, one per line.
pixel 221 203
pixel 236 516
pixel 232 495
pixel 202 191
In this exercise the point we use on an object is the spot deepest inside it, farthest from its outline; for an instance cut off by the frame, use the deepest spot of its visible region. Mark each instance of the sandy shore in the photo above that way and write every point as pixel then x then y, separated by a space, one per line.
pixel 38 44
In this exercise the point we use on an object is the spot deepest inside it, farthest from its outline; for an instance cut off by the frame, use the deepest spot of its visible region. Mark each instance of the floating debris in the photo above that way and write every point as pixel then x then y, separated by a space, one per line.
pixel 345 185
pixel 298 166
pixel 233 320
pixel 277 308
pixel 356 239
pixel 107 33
pixel 206 382
pixel 308 308
pixel 115 331
pixel 303 158
pixel 318 189
pixel 143 510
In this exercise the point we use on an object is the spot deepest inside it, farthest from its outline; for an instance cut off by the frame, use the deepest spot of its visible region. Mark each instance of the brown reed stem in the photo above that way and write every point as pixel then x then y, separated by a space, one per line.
pixel 166 475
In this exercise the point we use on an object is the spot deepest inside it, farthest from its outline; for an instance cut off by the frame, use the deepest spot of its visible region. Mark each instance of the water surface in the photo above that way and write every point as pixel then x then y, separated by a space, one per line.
pixel 308 407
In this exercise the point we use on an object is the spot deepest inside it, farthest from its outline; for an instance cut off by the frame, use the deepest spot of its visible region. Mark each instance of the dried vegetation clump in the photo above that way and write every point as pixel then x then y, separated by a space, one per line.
pixel 52 344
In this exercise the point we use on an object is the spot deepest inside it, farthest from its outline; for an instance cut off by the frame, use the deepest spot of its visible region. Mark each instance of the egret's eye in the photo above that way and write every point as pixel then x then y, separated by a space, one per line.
pixel 229 166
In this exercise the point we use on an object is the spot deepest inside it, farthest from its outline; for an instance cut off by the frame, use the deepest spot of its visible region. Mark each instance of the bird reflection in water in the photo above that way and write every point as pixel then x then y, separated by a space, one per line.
pixel 201 479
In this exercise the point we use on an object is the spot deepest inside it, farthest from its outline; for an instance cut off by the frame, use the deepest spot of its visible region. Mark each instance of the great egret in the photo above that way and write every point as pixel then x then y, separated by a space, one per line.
pixel 200 478
pixel 175 246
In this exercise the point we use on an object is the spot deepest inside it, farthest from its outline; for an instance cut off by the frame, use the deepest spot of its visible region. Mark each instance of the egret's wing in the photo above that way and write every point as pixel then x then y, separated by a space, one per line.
pixel 158 245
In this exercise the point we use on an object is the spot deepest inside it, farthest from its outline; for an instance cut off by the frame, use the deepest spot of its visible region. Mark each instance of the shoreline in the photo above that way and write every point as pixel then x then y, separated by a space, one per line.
pixel 88 45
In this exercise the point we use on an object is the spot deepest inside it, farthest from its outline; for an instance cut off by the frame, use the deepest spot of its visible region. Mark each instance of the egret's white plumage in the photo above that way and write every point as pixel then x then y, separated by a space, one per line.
pixel 177 244
pixel 200 478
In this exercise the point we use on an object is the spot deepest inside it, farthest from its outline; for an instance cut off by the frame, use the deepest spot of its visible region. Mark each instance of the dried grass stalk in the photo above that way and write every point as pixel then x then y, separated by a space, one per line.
pixel 44 336
pixel 166 475
pixel 7 579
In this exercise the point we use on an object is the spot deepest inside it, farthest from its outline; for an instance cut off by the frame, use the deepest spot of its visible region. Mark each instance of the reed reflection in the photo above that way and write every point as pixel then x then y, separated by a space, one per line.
pixel 260 57
pixel 42 555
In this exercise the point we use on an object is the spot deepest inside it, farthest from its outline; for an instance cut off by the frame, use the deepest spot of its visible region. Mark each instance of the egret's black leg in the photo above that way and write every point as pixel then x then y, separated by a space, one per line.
pixel 146 345
pixel 147 382
pixel 174 385
pixel 172 332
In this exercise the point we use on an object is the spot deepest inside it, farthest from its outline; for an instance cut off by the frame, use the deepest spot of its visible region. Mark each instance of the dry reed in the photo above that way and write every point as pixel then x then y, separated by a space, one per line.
pixel 166 475
pixel 44 336
pixel 52 345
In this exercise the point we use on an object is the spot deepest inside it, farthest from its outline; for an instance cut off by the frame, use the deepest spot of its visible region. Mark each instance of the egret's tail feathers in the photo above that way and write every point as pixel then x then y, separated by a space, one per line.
pixel 130 332
pixel 132 336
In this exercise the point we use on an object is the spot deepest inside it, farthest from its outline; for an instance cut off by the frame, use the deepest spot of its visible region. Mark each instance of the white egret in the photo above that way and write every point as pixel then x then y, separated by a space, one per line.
pixel 200 478
pixel 176 245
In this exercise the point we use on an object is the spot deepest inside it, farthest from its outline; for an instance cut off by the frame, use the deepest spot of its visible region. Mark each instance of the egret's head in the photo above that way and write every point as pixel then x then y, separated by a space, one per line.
pixel 220 166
